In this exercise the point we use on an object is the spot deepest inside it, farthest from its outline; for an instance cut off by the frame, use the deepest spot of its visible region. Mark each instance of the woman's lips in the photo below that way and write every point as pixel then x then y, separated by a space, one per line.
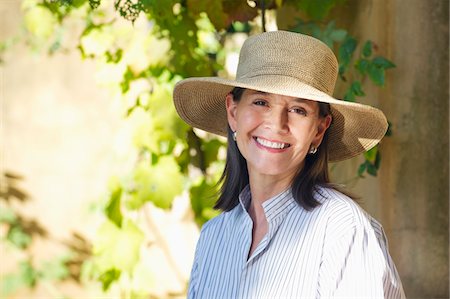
pixel 275 145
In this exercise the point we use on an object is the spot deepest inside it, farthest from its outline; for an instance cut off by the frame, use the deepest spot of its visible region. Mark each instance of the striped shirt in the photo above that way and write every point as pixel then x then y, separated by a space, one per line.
pixel 335 250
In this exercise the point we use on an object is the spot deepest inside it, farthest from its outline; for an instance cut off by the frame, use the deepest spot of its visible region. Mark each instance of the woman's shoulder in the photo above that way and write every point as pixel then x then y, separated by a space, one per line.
pixel 340 208
pixel 215 230
pixel 213 223
pixel 343 216
pixel 218 222
pixel 331 198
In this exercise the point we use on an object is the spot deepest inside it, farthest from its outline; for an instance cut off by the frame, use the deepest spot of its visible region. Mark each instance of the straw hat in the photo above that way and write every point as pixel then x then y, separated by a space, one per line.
pixel 289 64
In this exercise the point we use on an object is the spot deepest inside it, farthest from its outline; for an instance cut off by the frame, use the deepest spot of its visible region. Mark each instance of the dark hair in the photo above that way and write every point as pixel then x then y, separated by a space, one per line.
pixel 313 174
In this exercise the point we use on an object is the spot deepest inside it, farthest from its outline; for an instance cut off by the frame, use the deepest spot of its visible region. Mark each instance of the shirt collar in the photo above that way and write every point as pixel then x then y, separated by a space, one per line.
pixel 245 197
pixel 275 207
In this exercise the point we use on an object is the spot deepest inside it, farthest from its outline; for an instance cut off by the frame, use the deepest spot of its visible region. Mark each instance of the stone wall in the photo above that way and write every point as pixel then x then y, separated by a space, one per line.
pixel 410 196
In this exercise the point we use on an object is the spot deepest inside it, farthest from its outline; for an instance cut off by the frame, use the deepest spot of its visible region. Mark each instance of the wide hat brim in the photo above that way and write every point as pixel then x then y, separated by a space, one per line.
pixel 355 128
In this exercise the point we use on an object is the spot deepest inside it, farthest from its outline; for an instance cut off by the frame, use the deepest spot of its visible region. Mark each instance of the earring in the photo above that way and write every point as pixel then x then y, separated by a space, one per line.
pixel 312 150
pixel 234 135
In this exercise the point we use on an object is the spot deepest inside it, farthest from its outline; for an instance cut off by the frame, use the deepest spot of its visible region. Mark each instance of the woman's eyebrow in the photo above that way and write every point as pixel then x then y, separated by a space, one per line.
pixel 258 92
pixel 299 100
pixel 304 101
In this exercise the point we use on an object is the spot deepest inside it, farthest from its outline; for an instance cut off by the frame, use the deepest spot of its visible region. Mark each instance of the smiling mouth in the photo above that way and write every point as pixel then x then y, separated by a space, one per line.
pixel 270 144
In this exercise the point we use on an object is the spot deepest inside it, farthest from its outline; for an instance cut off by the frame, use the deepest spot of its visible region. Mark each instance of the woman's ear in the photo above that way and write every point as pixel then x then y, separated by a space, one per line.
pixel 324 124
pixel 231 111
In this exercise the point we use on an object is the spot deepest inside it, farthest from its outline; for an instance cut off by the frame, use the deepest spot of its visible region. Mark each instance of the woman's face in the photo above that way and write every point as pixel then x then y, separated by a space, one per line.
pixel 275 132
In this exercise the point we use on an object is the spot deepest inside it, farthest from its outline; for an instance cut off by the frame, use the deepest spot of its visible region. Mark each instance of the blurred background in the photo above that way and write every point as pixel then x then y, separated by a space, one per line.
pixel 104 189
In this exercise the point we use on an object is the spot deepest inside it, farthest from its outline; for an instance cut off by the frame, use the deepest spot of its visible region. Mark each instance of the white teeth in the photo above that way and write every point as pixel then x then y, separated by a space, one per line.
pixel 276 145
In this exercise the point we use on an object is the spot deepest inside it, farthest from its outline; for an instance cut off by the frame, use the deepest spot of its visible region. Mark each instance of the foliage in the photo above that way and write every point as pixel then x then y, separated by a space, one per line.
pixel 365 66
pixel 142 59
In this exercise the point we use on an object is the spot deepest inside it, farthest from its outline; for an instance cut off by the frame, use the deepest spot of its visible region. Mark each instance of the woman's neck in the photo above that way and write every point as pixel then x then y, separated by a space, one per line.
pixel 264 187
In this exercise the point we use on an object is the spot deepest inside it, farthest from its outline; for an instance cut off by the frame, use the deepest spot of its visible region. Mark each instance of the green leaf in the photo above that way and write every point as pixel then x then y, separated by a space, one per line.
pixel 202 197
pixel 113 209
pixel 28 274
pixel 315 31
pixel 94 4
pixel 78 3
pixel 376 74
pixel 239 27
pixel 332 34
pixel 117 248
pixel 357 88
pixel 129 9
pixel 371 154
pixel 25 277
pixel 367 49
pixel 114 57
pixel 328 41
pixel 345 52
pixel 362 65
pixel 183 160
pixel 342 69
pixel 145 276
pixel 56 269
pixel 338 35
pixel 40 22
pixel 18 237
pixel 382 62
pixel 330 26
pixel 389 129
pixel 210 150
pixel 11 283
pixel 167 126
pixel 347 48
pixel 362 168
pixel 371 169
pixel 7 215
pixel 317 9
pixel 59 8
pixel 377 162
pixel 213 8
pixel 108 277
pixel 143 130
pixel 349 95
pixel 96 41
pixel 128 76
pixel 158 183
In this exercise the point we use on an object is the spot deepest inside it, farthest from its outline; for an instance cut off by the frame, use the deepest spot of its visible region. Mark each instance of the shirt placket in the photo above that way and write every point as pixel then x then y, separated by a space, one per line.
pixel 245 267
pixel 246 283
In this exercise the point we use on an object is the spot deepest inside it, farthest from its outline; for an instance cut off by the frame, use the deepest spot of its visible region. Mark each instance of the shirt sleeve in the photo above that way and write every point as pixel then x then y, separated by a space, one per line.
pixel 193 281
pixel 357 264
pixel 194 278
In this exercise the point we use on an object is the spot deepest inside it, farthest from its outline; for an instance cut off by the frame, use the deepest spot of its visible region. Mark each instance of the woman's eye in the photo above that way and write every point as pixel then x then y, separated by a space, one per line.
pixel 300 111
pixel 260 103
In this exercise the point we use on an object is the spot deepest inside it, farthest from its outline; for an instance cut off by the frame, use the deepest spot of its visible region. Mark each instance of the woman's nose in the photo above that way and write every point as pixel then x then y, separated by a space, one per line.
pixel 277 120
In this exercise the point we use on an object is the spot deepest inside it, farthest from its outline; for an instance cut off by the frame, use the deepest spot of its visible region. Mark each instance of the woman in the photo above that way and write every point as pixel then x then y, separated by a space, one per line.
pixel 285 230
